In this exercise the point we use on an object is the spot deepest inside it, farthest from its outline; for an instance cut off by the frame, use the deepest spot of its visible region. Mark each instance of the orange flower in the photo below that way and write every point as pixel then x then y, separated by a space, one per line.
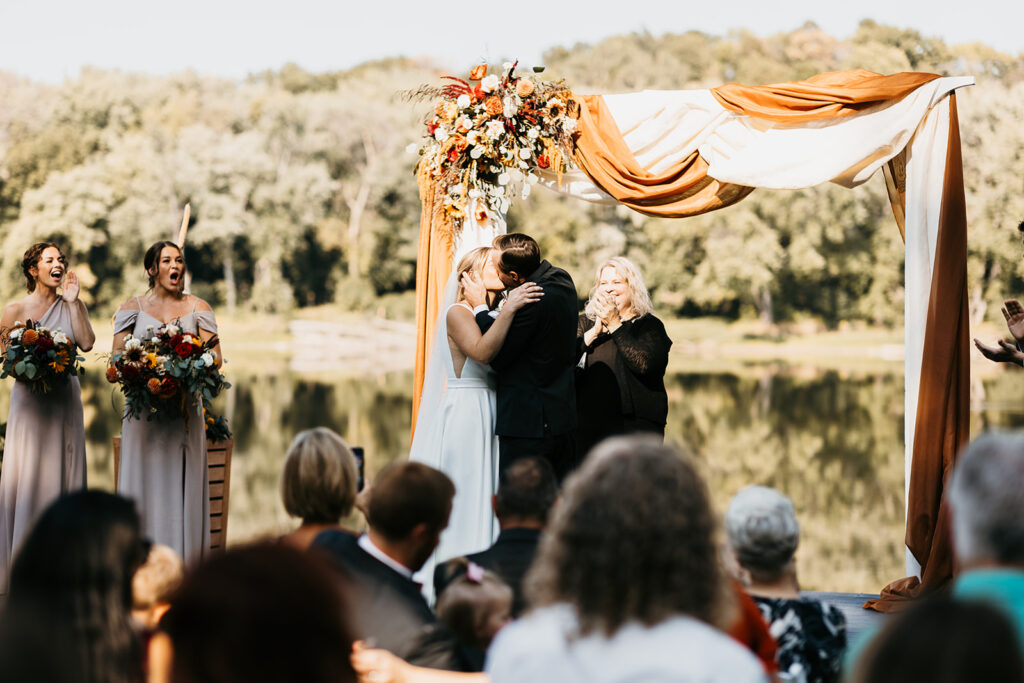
pixel 439 108
pixel 478 72
pixel 153 385
pixel 524 88
pixel 460 143
pixel 480 214
pixel 112 375
pixel 543 161
pixel 29 337
pixel 493 105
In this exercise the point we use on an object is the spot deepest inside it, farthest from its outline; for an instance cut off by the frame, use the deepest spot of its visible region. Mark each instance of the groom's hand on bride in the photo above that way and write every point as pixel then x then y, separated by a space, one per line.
pixel 524 294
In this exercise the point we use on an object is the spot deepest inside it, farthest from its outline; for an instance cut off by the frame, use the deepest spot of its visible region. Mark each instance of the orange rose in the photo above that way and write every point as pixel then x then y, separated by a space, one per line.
pixel 112 375
pixel 478 72
pixel 29 337
pixel 493 105
pixel 153 385
pixel 524 88
pixel 460 143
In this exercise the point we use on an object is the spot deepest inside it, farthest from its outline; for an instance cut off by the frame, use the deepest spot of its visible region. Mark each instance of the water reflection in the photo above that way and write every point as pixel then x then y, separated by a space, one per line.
pixel 833 441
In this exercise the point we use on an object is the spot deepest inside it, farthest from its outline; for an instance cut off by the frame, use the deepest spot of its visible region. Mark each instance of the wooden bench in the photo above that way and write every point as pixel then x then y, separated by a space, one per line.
pixel 218 472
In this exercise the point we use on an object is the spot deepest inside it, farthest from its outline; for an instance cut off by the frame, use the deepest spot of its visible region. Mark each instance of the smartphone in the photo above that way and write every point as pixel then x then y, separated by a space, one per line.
pixel 357 451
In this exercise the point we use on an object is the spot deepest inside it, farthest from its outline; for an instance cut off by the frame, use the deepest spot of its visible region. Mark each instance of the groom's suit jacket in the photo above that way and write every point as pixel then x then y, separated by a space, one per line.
pixel 536 392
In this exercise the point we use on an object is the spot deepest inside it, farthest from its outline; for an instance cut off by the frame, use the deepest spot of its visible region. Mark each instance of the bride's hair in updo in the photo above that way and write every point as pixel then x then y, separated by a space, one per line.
pixel 152 259
pixel 473 262
pixel 31 260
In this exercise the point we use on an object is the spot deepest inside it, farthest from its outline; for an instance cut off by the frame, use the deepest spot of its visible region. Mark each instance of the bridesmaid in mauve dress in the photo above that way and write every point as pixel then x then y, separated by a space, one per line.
pixel 44 451
pixel 163 461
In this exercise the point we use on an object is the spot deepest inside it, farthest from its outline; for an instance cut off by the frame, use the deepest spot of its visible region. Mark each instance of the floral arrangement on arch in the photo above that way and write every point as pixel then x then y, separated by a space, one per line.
pixel 40 358
pixel 162 376
pixel 488 135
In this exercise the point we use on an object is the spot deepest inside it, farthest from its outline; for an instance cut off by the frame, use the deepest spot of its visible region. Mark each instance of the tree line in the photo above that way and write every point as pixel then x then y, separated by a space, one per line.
pixel 302 193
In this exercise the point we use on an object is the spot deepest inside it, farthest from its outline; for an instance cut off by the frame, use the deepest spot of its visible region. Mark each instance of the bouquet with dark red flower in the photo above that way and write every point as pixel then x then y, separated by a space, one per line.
pixel 40 358
pixel 167 374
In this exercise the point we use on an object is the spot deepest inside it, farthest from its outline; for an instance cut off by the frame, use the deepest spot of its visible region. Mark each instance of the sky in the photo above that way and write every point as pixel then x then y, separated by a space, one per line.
pixel 50 40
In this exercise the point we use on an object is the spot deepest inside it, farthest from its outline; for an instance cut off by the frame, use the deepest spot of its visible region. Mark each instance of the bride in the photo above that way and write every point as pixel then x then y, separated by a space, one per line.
pixel 455 425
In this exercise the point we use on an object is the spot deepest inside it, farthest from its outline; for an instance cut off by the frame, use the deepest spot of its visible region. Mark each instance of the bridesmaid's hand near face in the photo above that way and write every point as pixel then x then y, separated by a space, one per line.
pixel 71 287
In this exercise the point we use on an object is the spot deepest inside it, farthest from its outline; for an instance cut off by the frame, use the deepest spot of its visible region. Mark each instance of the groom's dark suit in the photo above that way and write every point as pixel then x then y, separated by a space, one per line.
pixel 536 392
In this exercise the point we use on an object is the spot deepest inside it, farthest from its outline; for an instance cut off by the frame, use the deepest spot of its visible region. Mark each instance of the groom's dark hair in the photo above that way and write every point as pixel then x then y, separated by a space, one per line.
pixel 519 254
pixel 406 494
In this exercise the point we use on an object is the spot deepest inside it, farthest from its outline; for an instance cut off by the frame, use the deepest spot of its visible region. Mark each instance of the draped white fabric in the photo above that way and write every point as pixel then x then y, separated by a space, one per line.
pixel 663 127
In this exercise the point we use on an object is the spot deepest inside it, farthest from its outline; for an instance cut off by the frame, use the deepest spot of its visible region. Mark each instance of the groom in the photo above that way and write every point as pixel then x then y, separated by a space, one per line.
pixel 536 396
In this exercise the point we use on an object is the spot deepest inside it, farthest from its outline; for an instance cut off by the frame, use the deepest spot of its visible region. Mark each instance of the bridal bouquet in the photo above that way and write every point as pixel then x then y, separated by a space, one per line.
pixel 161 377
pixel 488 134
pixel 40 358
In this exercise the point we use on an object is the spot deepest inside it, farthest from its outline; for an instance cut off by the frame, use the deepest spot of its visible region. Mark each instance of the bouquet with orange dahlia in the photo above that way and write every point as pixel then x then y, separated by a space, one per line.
pixel 40 358
pixel 165 375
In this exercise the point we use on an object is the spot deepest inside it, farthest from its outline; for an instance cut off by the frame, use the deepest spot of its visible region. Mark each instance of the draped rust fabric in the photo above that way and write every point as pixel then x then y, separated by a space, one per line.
pixel 827 95
pixel 433 266
pixel 683 190
pixel 942 422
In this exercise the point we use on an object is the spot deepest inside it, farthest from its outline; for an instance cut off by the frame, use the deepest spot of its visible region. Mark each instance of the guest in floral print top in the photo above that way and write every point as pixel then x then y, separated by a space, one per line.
pixel 763 534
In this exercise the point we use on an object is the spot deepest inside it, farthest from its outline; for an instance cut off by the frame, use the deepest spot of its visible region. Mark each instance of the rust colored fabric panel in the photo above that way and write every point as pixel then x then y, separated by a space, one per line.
pixel 827 95
pixel 683 190
pixel 943 404
pixel 433 267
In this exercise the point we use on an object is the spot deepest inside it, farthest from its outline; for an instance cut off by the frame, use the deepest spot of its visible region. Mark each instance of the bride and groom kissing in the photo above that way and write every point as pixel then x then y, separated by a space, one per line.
pixel 500 378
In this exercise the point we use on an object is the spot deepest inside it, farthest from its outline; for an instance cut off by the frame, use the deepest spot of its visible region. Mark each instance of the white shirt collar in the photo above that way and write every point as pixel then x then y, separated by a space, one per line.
pixel 366 544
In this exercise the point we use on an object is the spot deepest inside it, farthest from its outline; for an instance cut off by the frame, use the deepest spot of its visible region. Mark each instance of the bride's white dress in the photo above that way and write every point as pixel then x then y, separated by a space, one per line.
pixel 459 440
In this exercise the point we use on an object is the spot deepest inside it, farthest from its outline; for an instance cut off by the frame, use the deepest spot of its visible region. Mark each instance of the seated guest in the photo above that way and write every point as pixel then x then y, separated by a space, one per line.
pixel 762 535
pixel 68 613
pixel 526 491
pixel 153 584
pixel 408 509
pixel 943 640
pixel 258 613
pixel 318 484
pixel 626 585
pixel 988 523
pixel 475 606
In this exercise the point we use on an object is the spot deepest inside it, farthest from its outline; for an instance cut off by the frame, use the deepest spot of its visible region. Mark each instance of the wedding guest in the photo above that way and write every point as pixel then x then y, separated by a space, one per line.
pixel 943 640
pixel 526 493
pixel 163 460
pixel 44 448
pixel 153 584
pixel 988 524
pixel 621 386
pixel 68 616
pixel 626 584
pixel 475 606
pixel 318 484
pixel 265 612
pixel 408 509
pixel 762 534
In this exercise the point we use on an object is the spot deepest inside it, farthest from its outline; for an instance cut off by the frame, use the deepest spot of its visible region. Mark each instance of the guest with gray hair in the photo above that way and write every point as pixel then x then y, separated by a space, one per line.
pixel 318 484
pixel 762 535
pixel 986 496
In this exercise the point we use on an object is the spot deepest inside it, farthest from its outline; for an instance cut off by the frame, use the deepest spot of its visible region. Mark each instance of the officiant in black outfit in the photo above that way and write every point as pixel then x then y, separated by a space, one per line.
pixel 621 387
pixel 536 396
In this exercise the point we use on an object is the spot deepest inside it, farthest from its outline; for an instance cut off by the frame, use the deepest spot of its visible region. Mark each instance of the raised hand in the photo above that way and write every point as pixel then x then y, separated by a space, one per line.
pixel 71 287
pixel 524 294
pixel 1014 314
pixel 1002 352
pixel 473 289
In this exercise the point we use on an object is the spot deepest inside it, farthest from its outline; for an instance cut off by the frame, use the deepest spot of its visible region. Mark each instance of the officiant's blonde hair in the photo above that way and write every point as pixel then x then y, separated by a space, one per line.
pixel 473 261
pixel 640 298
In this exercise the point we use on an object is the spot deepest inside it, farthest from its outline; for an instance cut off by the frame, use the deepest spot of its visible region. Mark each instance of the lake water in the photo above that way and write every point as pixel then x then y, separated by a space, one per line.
pixel 832 440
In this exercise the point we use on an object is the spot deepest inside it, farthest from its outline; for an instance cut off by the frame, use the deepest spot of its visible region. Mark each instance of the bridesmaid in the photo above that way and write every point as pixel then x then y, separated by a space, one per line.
pixel 163 461
pixel 44 452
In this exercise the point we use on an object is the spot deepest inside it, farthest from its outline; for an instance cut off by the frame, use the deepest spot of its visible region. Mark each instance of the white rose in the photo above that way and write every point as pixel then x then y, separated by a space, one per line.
pixel 412 147
pixel 523 165
pixel 533 134
pixel 463 101
pixel 525 153
pixel 476 193
pixel 473 137
pixel 207 358
pixel 511 108
pixel 441 134
pixel 16 334
pixel 569 125
pixel 132 343
pixel 60 338
pixel 489 83
pixel 503 179
pixel 155 340
pixel 173 329
pixel 495 129
pixel 476 152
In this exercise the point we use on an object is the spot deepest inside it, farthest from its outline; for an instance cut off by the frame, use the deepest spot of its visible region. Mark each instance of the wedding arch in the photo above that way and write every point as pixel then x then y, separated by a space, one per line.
pixel 681 153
